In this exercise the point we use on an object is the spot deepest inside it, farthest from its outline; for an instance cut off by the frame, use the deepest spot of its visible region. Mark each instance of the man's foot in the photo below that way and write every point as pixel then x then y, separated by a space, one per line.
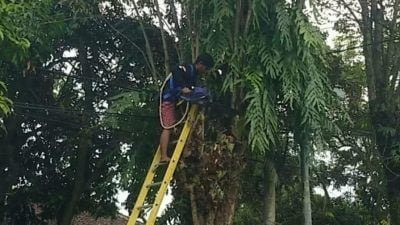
pixel 165 159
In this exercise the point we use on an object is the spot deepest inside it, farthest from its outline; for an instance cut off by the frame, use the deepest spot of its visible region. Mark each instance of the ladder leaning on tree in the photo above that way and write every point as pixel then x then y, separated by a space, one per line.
pixel 152 203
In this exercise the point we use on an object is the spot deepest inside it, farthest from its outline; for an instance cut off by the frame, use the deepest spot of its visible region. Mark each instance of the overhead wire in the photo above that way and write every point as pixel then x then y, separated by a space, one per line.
pixel 24 105
pixel 72 125
pixel 99 81
pixel 126 117
pixel 129 40
pixel 364 45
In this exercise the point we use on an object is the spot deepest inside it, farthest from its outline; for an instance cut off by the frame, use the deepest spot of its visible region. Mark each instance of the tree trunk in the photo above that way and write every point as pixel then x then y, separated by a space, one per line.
pixel 178 44
pixel 305 149
pixel 270 180
pixel 382 98
pixel 148 47
pixel 393 186
pixel 81 172
pixel 9 177
pixel 85 143
pixel 212 178
pixel 226 211
pixel 164 40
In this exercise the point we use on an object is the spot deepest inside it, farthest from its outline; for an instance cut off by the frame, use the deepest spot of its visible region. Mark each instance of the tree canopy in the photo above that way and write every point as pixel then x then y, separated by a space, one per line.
pixel 292 125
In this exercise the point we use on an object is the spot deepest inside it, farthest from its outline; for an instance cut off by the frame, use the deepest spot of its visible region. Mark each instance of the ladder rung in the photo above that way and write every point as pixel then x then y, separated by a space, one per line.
pixel 154 184
pixel 145 207
pixel 161 164
pixel 158 165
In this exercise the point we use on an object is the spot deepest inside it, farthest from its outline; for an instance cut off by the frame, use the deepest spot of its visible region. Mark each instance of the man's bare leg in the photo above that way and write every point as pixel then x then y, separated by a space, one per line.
pixel 164 140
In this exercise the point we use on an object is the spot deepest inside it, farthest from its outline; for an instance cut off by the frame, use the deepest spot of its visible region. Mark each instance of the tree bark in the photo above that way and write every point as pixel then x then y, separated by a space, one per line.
pixel 85 140
pixel 270 180
pixel 381 97
pixel 148 47
pixel 213 183
pixel 305 150
pixel 7 159
pixel 81 172
pixel 164 40
pixel 300 4
pixel 186 7
pixel 178 32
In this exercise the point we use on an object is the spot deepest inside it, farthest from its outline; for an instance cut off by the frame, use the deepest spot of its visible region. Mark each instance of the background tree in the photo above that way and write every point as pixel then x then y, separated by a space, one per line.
pixel 376 24
pixel 56 140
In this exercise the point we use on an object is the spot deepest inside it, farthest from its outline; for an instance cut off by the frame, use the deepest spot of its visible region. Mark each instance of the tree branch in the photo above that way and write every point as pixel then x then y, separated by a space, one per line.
pixel 249 15
pixel 148 47
pixel 164 41
pixel 351 11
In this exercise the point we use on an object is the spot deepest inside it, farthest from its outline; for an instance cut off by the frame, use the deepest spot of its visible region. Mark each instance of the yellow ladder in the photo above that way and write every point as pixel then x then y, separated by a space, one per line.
pixel 163 185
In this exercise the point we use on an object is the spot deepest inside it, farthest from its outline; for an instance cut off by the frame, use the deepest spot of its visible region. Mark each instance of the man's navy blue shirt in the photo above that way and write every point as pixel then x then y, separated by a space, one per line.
pixel 181 78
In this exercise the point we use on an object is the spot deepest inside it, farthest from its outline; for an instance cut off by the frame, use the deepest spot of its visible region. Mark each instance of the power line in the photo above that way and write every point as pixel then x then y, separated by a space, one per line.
pixel 72 125
pixel 67 19
pixel 97 80
pixel 129 40
pixel 363 45
pixel 24 105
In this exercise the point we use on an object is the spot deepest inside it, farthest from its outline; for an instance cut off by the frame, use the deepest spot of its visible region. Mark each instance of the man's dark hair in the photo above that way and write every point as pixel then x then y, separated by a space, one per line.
pixel 205 59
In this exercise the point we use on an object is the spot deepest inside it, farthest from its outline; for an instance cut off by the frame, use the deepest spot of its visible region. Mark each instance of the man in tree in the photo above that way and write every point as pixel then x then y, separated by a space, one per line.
pixel 182 82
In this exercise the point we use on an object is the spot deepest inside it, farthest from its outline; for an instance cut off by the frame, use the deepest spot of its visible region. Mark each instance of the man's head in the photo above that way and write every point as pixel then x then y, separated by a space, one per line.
pixel 203 63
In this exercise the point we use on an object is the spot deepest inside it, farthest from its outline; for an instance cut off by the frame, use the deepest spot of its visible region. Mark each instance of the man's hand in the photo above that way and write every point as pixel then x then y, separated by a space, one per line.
pixel 186 90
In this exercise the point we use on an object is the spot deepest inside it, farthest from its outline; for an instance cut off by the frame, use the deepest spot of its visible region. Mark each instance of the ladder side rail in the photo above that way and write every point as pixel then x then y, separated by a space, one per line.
pixel 172 165
pixel 144 189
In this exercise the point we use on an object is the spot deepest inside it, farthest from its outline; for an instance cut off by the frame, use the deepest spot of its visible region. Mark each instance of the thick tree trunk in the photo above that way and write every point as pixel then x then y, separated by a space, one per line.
pixel 269 193
pixel 226 209
pixel 212 178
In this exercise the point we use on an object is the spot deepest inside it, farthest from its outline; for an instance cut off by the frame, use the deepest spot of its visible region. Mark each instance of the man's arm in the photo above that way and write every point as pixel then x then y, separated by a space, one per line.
pixel 179 76
pixel 186 90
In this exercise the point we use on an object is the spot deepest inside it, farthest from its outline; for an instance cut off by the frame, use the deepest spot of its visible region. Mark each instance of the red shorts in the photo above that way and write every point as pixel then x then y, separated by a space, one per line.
pixel 168 114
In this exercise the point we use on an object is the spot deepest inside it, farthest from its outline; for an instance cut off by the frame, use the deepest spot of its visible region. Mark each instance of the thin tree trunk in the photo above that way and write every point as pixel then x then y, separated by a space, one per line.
pixel 195 214
pixel 327 198
pixel 305 149
pixel 80 178
pixel 9 177
pixel 393 189
pixel 148 47
pixel 191 26
pixel 300 4
pixel 238 21
pixel 164 40
pixel 269 193
pixel 81 168
pixel 178 32
pixel 381 97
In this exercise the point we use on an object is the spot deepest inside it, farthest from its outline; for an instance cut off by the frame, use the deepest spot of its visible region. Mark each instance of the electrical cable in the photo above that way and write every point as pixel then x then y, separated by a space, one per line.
pixel 24 105
pixel 97 80
pixel 72 125
pixel 160 106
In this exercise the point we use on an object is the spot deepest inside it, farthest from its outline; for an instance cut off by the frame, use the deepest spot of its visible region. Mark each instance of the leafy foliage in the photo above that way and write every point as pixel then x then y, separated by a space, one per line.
pixel 5 103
